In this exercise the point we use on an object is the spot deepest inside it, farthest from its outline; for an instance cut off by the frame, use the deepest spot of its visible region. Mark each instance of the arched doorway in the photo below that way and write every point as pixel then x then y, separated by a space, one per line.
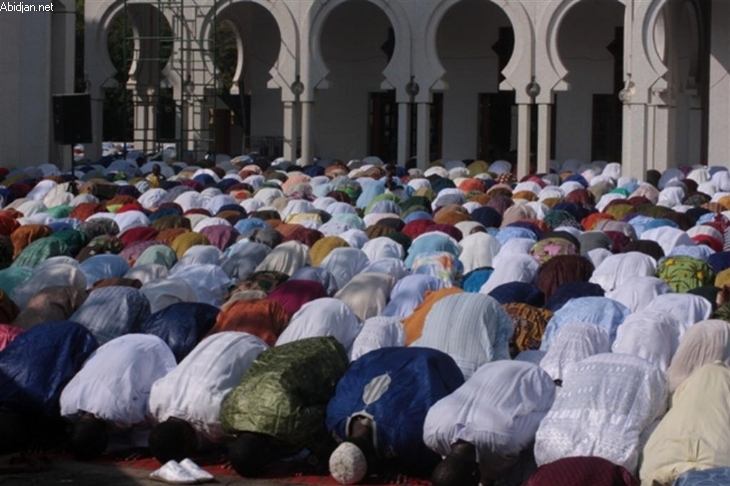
pixel 589 115
pixel 139 42
pixel 356 116
pixel 475 41
pixel 248 114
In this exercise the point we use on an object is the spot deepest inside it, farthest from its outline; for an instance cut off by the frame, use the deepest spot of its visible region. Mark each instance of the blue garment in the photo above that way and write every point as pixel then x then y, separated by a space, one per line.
pixel 719 476
pixel 520 293
pixel 369 192
pixel 181 325
pixel 511 232
pixel 600 311
pixel 395 387
pixel 36 366
pixel 99 267
pixel 719 261
pixel 474 280
pixel 243 226
pixel 416 215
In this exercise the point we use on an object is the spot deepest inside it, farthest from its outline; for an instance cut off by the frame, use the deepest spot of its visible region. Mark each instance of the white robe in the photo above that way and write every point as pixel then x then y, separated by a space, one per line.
pixel 605 404
pixel 194 391
pixel 114 384
pixel 498 410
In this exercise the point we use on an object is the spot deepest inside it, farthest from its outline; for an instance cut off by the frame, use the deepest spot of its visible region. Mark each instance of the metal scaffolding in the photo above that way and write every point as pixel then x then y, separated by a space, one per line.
pixel 173 78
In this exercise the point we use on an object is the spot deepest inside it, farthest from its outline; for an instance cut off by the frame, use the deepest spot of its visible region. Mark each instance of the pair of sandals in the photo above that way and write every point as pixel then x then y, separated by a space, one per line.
pixel 183 472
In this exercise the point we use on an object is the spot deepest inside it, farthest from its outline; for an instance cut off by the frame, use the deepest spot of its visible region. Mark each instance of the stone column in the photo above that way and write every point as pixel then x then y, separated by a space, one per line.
pixel 307 146
pixel 404 133
pixel 523 139
pixel 544 136
pixel 719 136
pixel 423 135
pixel 93 150
pixel 290 131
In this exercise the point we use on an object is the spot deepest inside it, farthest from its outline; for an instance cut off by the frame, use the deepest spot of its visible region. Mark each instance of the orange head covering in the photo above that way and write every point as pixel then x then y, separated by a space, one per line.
pixel 263 318
pixel 25 235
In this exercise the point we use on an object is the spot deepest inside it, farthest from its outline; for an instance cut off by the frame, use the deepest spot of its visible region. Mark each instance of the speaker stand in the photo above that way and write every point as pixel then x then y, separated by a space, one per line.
pixel 73 189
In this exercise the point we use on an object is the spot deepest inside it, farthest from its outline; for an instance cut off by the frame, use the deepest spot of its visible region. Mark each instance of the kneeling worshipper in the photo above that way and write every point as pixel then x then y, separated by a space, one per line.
pixel 582 471
pixel 704 343
pixel 606 403
pixel 185 403
pixel 34 368
pixel 111 391
pixel 262 318
pixel 379 408
pixel 277 409
pixel 484 427
pixel 471 328
pixel 693 435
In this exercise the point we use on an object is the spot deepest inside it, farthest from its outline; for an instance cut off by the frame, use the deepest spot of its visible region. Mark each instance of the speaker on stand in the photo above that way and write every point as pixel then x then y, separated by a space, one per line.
pixel 72 124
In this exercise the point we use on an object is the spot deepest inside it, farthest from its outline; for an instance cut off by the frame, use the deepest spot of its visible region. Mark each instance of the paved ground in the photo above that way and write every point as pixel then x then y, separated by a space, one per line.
pixel 70 473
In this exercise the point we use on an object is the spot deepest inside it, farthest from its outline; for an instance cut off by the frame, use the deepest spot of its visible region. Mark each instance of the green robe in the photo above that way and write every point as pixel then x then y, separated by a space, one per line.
pixel 286 391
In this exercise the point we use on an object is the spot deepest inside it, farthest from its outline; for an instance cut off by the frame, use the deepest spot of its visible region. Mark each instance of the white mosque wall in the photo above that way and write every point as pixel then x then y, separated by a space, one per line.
pixel 25 87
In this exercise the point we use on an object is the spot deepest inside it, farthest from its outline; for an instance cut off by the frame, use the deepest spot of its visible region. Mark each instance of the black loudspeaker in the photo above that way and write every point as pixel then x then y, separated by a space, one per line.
pixel 72 118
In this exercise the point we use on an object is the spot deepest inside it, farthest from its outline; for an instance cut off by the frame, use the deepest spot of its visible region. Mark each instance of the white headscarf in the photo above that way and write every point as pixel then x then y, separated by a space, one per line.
pixel 378 332
pixel 704 343
pixel 478 251
pixel 649 334
pixel 322 317
pixel 573 343
pixel 639 294
pixel 623 268
pixel 688 309
pixel 518 268
pixel 286 258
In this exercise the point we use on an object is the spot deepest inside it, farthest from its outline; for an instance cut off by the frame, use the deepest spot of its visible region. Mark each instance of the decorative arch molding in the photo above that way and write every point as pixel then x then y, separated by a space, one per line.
pixel 518 72
pixel 646 16
pixel 553 33
pixel 97 34
pixel 397 72
pixel 651 47
pixel 240 54
pixel 286 68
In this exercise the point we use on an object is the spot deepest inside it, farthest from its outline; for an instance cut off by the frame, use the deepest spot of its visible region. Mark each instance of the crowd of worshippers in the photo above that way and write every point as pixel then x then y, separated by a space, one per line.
pixel 571 329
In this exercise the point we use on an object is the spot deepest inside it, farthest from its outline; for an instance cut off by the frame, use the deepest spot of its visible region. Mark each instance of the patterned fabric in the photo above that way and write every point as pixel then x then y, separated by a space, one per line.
pixel 265 281
pixel 685 273
pixel 276 398
pixel 529 323
pixel 583 471
pixel 719 476
pixel 548 248
pixel 442 265
pixel 605 404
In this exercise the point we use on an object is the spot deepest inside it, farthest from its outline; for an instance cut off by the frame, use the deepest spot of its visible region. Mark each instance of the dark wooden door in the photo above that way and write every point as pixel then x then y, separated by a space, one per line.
pixel 383 126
